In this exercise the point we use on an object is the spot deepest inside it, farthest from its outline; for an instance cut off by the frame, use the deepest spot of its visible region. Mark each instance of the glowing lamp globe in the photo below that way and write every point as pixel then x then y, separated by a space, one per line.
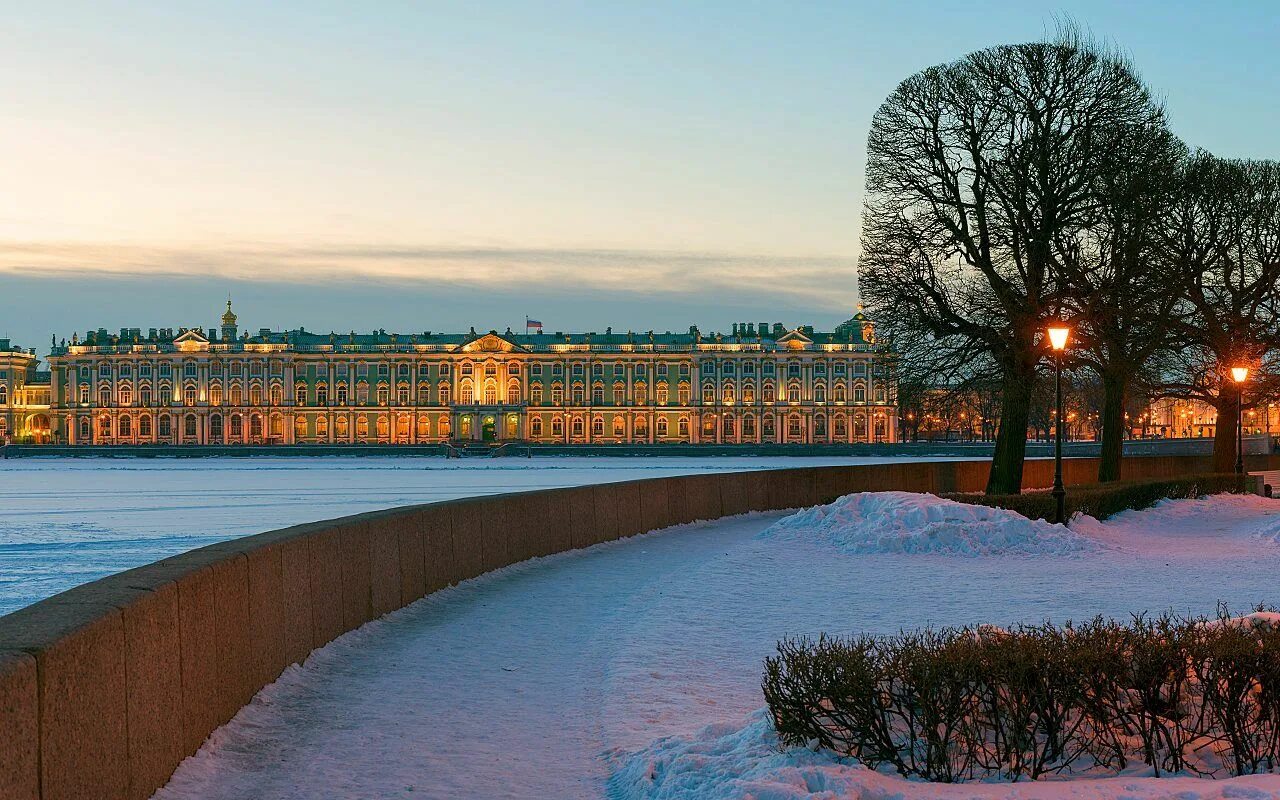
pixel 1240 374
pixel 1058 337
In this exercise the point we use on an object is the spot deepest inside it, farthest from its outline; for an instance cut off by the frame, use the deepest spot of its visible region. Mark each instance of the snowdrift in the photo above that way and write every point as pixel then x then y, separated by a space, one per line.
pixel 746 762
pixel 905 522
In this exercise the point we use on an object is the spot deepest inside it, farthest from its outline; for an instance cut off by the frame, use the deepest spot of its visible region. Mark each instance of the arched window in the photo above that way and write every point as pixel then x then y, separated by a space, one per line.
pixel 4 395
pixel 402 426
pixel 513 392
pixel 557 427
pixel 255 426
pixel 424 394
pixel 189 395
pixel 619 427
pixel 766 394
pixel 795 429
pixel 597 394
pixel 340 427
pixel 424 426
pixel 277 426
pixel 443 391
pixel 237 426
pixel 444 426
pixel 535 427
pixel 276 394
pixel 726 427
pixel 322 395
pixel 641 427
pixel 728 395
pixel 838 393
pixel 557 394
pixel 577 424
pixel 708 395
pixel 820 426
pixel 166 427
pixel 579 394
pixel 237 395
pixel 126 426
pixel 104 427
pixel 819 393
pixel 299 394
pixel 189 427
pixel 384 427
pixel 322 427
pixel 708 427
pixel 660 427
pixel 490 393
pixel 340 394
pixel 215 395
pixel 104 397
pixel 535 395
pixel 641 394
pixel 362 427
pixel 144 426
pixel 85 432
pixel 879 394
pixel 300 427
pixel 748 395
pixel 215 427
pixel 619 394
pixel 793 393
pixel 255 396
pixel 597 426
pixel 362 393
pixel 126 398
pixel 84 394
pixel 682 428
pixel 859 394
pixel 749 426
pixel 684 394
pixel 402 394
pixel 384 396
pixel 466 395
pixel 144 395
pixel 841 428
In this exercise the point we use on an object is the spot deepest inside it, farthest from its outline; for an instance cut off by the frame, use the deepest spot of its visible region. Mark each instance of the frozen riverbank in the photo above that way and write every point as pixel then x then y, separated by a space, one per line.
pixel 546 679
pixel 66 521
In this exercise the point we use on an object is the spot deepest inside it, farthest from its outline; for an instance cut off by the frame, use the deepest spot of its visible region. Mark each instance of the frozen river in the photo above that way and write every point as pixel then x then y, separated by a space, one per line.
pixel 65 521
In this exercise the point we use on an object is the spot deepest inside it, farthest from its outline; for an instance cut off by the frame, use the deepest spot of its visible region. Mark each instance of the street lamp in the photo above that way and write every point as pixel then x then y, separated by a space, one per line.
pixel 1240 375
pixel 1058 336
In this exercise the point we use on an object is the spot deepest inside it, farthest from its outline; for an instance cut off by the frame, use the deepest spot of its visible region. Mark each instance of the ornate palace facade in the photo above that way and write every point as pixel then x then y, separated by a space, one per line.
pixel 191 386
pixel 24 396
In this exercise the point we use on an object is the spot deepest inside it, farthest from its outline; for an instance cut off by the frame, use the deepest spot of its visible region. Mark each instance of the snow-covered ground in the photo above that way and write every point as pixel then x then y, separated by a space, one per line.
pixel 596 674
pixel 65 521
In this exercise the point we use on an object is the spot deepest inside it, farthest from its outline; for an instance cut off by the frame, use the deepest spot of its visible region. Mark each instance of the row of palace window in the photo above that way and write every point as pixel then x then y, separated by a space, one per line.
pixel 190 368
pixel 467 395
pixel 728 427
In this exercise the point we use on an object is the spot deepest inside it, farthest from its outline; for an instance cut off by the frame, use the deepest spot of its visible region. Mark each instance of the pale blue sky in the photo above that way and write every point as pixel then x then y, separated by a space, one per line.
pixel 435 166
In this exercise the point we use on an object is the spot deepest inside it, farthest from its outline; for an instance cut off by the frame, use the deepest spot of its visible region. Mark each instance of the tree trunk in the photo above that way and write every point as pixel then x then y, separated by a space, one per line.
pixel 1011 437
pixel 1115 386
pixel 1224 437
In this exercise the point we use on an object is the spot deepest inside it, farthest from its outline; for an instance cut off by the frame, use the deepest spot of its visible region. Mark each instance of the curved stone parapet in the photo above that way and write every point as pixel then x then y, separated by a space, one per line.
pixel 105 688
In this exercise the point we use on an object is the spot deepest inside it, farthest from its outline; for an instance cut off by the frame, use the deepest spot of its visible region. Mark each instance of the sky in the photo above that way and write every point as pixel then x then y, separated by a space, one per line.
pixel 438 166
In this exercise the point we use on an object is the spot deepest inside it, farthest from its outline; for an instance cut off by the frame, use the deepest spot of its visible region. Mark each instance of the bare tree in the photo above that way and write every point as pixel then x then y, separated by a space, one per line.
pixel 1120 287
pixel 982 175
pixel 1225 232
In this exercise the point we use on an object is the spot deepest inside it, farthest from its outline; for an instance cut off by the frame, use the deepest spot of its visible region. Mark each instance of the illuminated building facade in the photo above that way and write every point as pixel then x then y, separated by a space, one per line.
pixel 759 384
pixel 24 397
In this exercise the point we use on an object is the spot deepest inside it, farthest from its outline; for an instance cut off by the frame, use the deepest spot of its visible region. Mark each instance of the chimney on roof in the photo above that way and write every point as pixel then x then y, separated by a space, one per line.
pixel 779 330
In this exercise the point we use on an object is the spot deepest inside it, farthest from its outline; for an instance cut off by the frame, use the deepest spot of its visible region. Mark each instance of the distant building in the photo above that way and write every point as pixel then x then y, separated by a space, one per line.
pixel 24 396
pixel 760 383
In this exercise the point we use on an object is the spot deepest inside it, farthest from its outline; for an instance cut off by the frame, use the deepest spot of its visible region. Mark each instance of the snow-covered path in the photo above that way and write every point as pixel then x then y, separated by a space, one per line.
pixel 536 682
pixel 66 521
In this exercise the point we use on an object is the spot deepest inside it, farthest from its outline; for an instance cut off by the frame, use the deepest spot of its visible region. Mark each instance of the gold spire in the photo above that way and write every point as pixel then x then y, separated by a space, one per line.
pixel 229 318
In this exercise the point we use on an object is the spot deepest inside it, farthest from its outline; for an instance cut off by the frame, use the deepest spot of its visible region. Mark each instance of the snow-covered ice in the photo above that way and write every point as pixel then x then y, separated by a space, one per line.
pixel 597 673
pixel 905 522
pixel 65 521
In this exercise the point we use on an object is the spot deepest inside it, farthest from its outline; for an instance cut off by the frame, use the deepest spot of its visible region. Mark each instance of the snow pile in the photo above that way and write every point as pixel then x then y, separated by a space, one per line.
pixel 904 522
pixel 728 762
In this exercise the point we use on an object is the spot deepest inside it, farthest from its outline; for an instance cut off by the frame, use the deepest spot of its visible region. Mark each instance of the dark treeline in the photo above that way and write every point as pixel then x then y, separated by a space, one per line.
pixel 1028 183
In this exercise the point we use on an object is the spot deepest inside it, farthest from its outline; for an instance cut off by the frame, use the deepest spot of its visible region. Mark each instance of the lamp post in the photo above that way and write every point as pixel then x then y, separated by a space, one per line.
pixel 1240 375
pixel 1058 336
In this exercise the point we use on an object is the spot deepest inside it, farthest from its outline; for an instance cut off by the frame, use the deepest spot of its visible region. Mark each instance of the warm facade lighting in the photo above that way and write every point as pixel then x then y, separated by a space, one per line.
pixel 1058 337
pixel 1240 374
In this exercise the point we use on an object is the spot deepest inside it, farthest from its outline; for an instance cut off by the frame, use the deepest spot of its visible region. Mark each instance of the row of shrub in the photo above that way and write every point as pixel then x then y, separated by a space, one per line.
pixel 1101 500
pixel 1178 695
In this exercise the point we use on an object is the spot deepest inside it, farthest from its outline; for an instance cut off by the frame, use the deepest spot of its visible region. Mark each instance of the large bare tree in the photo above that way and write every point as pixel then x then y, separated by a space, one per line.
pixel 982 175
pixel 1224 231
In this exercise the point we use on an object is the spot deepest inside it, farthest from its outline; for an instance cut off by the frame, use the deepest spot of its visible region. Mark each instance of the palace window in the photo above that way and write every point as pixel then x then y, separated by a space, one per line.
pixel 708 427
pixel 820 368
pixel 619 394
pixel 215 428
pixel 104 427
pixel 215 368
pixel 728 368
pixel 597 394
pixel 340 394
pixel 513 393
pixel 384 395
pixel 166 369
pixel 662 396
pixel 126 426
pixel 840 368
pixel 402 394
pixel 841 428
pixel 682 428
pixel 660 427
pixel 683 394
pixel 466 395
pixel 597 370
pixel 189 394
pixel 577 370
pixel 384 370
pixel 641 394
pixel 838 393
pixel 708 395
pixel 189 369
pixel 490 393
pixel 513 367
pixel 748 395
pixel 557 395
pixel 84 373
pixel 640 371
pixel 641 427
pixel 424 394
pixel 237 369
pixel 237 395
pixel 535 427
pixel 769 368
pixel 215 395
pixel 104 369
pixel 859 394
pixel 820 393
pixel 255 394
pixel 467 369
pixel 490 369
pixel 126 396
pixel 880 427
pixel 126 371
pixel 300 427
pixel 84 394
pixel 535 395
pixel 880 394
pixel 535 368
pixel 820 426
pixel 749 427
pixel 597 427
pixel 340 427
pixel 860 368
pixel 423 370
pixel 299 394
pixel 255 427
pixel 793 369
pixel 579 394
pixel 166 426
pixel 189 427
pixel 793 393
pixel 362 427
pixel 424 426
pixel 708 368
pixel 662 370
pixel 276 395
pixel 557 427
pixel 322 427
pixel 403 372
pixel 144 426
pixel 444 368
pixel 322 395
pixel 577 428
pixel 557 368
pixel 794 428
pixel 384 428
pixel 362 394
pixel 619 427
pixel 619 371
pixel 749 368
pixel 443 391
pixel 684 369
pixel 104 397
pixel 85 432
pixel 444 427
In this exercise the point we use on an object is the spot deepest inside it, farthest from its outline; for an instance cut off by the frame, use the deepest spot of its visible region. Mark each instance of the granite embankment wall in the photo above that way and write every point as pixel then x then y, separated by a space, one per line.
pixel 105 688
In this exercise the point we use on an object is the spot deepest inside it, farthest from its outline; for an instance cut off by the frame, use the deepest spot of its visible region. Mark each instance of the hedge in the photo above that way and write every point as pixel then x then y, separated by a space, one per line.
pixel 1101 500
pixel 966 704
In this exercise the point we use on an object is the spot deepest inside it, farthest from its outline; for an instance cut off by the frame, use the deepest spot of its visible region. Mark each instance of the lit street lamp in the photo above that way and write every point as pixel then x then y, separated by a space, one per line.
pixel 1240 375
pixel 1058 339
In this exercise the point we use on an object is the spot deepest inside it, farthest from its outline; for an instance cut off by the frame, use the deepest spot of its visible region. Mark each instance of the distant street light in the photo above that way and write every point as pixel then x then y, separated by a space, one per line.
pixel 1240 375
pixel 1058 336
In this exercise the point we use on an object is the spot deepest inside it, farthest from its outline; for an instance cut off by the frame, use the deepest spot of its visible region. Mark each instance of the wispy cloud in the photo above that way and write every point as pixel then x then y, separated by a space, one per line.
pixel 823 281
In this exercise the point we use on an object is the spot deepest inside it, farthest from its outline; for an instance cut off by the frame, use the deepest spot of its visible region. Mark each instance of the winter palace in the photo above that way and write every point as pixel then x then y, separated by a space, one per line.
pixel 761 383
